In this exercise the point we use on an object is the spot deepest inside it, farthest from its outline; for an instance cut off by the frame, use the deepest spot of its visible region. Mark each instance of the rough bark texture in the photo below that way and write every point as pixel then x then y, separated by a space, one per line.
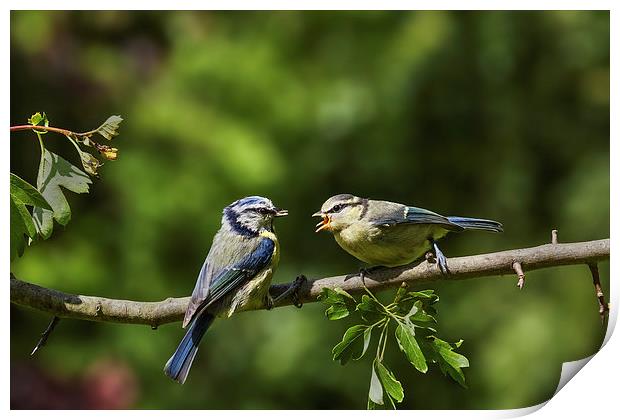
pixel 94 308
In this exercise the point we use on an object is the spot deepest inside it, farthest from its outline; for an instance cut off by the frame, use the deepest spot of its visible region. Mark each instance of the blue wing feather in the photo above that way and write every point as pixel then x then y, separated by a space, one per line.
pixel 232 277
pixel 415 215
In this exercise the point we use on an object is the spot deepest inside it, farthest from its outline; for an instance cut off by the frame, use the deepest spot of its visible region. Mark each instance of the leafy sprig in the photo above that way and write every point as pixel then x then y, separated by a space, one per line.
pixel 48 200
pixel 414 317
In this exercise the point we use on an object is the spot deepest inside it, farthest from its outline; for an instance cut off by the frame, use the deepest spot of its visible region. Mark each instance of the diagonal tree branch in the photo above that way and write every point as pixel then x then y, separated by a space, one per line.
pixel 65 305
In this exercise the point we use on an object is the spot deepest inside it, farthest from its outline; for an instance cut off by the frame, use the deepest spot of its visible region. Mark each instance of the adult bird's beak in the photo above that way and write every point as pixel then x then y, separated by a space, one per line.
pixel 323 224
pixel 281 212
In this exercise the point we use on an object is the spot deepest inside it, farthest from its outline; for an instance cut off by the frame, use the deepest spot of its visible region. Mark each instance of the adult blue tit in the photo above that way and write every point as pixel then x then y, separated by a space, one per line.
pixel 235 276
pixel 383 233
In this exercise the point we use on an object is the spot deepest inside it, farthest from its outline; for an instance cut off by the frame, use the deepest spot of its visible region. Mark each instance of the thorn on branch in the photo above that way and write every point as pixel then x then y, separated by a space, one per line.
pixel 603 307
pixel 45 335
pixel 554 236
pixel 516 266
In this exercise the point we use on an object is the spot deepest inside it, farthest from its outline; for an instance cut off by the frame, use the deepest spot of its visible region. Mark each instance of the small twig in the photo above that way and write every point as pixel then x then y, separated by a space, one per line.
pixel 46 334
pixel 42 128
pixel 554 236
pixel 516 266
pixel 63 131
pixel 603 308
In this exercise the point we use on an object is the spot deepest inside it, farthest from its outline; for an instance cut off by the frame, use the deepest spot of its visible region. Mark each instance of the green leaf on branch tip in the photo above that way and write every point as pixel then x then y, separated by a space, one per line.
pixel 449 361
pixel 391 385
pixel 39 119
pixel 21 224
pixel 341 303
pixel 343 351
pixel 56 172
pixel 367 337
pixel 418 314
pixel 109 129
pixel 425 294
pixel 400 293
pixel 336 295
pixel 337 311
pixel 405 336
pixel 375 393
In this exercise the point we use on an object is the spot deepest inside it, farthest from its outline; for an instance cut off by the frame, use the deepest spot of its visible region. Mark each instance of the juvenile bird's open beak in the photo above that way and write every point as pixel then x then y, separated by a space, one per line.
pixel 281 212
pixel 323 224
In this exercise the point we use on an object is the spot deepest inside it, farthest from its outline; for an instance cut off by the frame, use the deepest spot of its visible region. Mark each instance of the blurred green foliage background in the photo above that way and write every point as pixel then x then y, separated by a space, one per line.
pixel 501 115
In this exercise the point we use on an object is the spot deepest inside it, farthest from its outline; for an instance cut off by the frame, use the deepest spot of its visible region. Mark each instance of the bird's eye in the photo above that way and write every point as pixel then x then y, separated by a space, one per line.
pixel 337 208
pixel 262 210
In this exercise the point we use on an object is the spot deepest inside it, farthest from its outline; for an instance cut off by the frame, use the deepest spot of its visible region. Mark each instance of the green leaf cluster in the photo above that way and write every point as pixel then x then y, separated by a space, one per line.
pixel 414 317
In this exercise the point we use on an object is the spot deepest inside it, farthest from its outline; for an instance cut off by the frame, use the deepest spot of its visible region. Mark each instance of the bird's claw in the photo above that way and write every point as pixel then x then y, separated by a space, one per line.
pixel 293 291
pixel 366 271
pixel 297 285
pixel 269 302
pixel 442 262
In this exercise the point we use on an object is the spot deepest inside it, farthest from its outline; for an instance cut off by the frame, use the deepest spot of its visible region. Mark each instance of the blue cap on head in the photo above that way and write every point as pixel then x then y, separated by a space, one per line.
pixel 251 200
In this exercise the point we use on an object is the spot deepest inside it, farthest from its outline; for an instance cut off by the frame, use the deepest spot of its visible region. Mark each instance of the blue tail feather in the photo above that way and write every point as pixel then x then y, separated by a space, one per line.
pixel 179 364
pixel 479 224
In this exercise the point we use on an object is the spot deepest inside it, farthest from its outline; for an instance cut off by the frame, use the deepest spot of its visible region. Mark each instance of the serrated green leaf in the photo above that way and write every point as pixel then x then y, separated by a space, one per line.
pixel 375 393
pixel 344 350
pixel 56 172
pixel 109 129
pixel 418 314
pixel 337 295
pixel 425 294
pixel 449 361
pixel 341 303
pixel 343 293
pixel 405 336
pixel 22 192
pixel 330 296
pixel 391 385
pixel 337 311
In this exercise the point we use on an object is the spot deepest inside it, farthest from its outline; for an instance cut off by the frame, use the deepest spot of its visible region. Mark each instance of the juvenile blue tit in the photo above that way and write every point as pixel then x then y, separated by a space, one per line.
pixel 382 233
pixel 235 276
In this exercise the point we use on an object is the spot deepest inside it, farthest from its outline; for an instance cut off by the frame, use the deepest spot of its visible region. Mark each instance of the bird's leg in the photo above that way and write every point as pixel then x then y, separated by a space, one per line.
pixel 293 290
pixel 442 263
pixel 366 271
pixel 268 302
